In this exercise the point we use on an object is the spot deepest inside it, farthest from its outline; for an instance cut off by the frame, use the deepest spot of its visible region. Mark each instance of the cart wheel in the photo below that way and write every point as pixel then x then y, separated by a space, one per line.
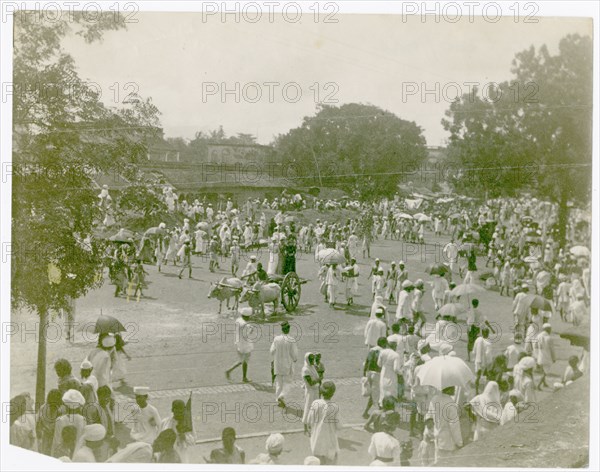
pixel 291 289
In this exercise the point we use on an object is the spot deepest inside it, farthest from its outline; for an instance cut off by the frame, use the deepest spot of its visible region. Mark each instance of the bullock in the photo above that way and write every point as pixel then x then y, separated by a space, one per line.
pixel 226 288
pixel 259 294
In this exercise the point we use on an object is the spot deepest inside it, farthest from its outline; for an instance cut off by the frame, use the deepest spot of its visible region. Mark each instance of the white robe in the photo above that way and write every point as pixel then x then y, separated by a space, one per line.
pixel 391 366
pixel 325 422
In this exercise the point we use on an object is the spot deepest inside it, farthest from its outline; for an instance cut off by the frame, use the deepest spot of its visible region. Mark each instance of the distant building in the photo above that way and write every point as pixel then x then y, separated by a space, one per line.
pixel 235 170
pixel 436 154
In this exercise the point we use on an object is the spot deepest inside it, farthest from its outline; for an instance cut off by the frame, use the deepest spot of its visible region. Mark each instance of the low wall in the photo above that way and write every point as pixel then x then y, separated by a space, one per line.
pixel 556 436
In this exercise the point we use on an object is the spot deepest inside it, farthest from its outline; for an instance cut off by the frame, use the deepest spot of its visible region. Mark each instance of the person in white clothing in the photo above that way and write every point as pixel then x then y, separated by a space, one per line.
pixel 521 309
pixel 439 286
pixel 284 354
pixel 482 351
pixel 487 410
pixel 332 282
pixel 545 354
pixel 404 308
pixel 351 273
pixel 450 253
pixel 101 359
pixel 514 351
pixel 379 284
pixel 185 438
pixel 353 245
pixel 325 422
pixel 578 311
pixel 375 328
pixel 510 412
pixel 244 343
pixel 90 444
pixel 391 365
pixel 311 384
pixel 384 446
pixel 273 256
pixel 446 425
pixel 146 419
pixel 86 369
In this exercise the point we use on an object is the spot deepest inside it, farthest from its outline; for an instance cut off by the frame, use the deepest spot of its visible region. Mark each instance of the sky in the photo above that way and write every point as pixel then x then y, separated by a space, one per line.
pixel 185 62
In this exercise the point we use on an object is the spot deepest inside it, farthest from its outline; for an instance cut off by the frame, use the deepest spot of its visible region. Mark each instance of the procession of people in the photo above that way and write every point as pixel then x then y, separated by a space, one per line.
pixel 508 245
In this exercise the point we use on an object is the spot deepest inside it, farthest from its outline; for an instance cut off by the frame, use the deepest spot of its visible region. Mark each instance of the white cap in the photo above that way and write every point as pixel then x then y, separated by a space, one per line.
pixel 406 284
pixel 141 390
pixel 546 326
pixel 86 365
pixel 246 311
pixel 73 399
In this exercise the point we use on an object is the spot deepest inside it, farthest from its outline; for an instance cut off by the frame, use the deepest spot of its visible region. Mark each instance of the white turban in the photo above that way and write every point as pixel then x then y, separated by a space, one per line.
pixel 73 399
pixel 274 443
pixel 93 432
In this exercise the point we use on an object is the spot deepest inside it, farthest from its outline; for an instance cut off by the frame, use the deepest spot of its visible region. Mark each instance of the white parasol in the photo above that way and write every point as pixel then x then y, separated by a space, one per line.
pixel 445 371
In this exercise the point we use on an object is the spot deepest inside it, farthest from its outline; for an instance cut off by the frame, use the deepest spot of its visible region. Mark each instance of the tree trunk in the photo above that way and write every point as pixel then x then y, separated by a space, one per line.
pixel 563 216
pixel 40 386
pixel 317 166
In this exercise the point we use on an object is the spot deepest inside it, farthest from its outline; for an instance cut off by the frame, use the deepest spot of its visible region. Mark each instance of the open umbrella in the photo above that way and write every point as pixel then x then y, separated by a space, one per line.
pixel 153 231
pixel 330 256
pixel 580 251
pixel 466 289
pixel 537 301
pixel 445 371
pixel 107 324
pixel 424 218
pixel 404 216
pixel 203 225
pixel 452 309
pixel 438 269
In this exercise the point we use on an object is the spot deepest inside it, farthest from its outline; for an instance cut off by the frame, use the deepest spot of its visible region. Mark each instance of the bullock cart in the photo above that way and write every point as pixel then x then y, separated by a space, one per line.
pixel 291 290
pixel 285 289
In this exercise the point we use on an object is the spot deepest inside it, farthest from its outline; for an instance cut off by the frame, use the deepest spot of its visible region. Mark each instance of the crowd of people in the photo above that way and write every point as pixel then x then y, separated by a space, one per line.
pixel 517 239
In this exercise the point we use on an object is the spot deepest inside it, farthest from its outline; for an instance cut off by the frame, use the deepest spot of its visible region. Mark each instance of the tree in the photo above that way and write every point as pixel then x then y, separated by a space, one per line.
pixel 532 133
pixel 560 121
pixel 361 148
pixel 62 137
pixel 142 198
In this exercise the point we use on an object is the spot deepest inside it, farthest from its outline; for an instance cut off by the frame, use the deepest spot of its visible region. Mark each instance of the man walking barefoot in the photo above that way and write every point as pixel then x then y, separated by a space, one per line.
pixel 244 342
pixel 284 353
